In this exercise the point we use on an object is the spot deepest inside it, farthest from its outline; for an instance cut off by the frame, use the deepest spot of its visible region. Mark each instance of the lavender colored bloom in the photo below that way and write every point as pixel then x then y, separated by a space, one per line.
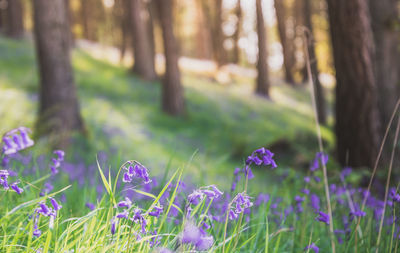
pixel 323 217
pixel 125 203
pixel 314 201
pixel 204 243
pixel 305 191
pixel 56 162
pixel 307 179
pixel 262 198
pixel 123 215
pixel 137 170
pixel 299 199
pixel 358 213
pixel 156 211
pixel 16 140
pixel 44 209
pixel 317 179
pixel 345 172
pixel 36 231
pixel 266 158
pixel 55 204
pixel 312 247
pixel 113 226
pixel 15 187
pixel 239 203
pixel 195 197
pixel 319 158
pixel 91 206
pixel 191 233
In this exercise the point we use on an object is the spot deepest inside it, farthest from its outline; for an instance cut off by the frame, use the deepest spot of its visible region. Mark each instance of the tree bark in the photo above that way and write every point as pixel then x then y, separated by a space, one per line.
pixel 15 24
pixel 357 118
pixel 287 48
pixel 218 34
pixel 236 35
pixel 143 62
pixel 384 18
pixel 172 91
pixel 59 112
pixel 319 90
pixel 262 87
pixel 203 35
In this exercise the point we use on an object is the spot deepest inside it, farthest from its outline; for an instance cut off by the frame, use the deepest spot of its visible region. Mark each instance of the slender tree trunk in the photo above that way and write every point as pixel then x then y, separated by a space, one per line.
pixel 203 35
pixel 357 118
pixel 319 90
pixel 143 63
pixel 15 24
pixel 287 49
pixel 150 28
pixel 262 87
pixel 59 112
pixel 236 35
pixel 172 91
pixel 384 19
pixel 85 20
pixel 218 35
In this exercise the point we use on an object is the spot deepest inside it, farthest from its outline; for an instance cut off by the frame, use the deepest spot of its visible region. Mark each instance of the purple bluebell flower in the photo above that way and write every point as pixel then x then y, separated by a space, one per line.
pixel 315 202
pixel 122 215
pixel 91 206
pixel 323 217
pixel 43 209
pixel 305 191
pixel 125 203
pixel 345 172
pixel 156 211
pixel 16 140
pixel 261 156
pixel 191 233
pixel 15 187
pixel 55 204
pixel 136 170
pixel 113 226
pixel 262 198
pixel 319 158
pixel 36 231
pixel 307 179
pixel 204 243
pixel 317 179
pixel 239 204
pixel 56 162
pixel 312 247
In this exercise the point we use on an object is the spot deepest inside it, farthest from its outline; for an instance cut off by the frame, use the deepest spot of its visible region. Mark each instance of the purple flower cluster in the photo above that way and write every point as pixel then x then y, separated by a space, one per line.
pixel 45 211
pixel 4 175
pixel 238 205
pixel 56 162
pixel 312 247
pixel 320 158
pixel 197 237
pixel 136 170
pixel 198 195
pixel 16 140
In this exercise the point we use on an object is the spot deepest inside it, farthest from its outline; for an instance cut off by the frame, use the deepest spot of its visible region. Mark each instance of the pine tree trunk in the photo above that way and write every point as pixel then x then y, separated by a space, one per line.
pixel 59 112
pixel 236 35
pixel 143 62
pixel 172 91
pixel 384 18
pixel 85 20
pixel 319 90
pixel 15 24
pixel 357 118
pixel 287 49
pixel 262 87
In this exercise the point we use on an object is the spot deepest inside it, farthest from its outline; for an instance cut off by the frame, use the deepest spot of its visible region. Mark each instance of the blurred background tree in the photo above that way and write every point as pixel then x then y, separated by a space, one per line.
pixel 352 44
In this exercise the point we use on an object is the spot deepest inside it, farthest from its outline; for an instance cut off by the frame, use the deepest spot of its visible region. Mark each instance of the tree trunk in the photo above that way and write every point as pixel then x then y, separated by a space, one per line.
pixel 319 90
pixel 203 35
pixel 287 48
pixel 357 118
pixel 172 92
pixel 384 18
pixel 262 65
pixel 236 35
pixel 218 35
pixel 143 62
pixel 85 20
pixel 59 112
pixel 15 24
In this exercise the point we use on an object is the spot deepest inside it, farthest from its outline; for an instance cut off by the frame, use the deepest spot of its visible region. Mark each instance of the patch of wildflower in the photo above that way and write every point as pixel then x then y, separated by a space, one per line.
pixel 238 205
pixel 56 161
pixel 16 140
pixel 137 170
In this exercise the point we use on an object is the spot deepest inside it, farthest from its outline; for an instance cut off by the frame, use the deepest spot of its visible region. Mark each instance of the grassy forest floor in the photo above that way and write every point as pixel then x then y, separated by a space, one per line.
pixel 221 126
